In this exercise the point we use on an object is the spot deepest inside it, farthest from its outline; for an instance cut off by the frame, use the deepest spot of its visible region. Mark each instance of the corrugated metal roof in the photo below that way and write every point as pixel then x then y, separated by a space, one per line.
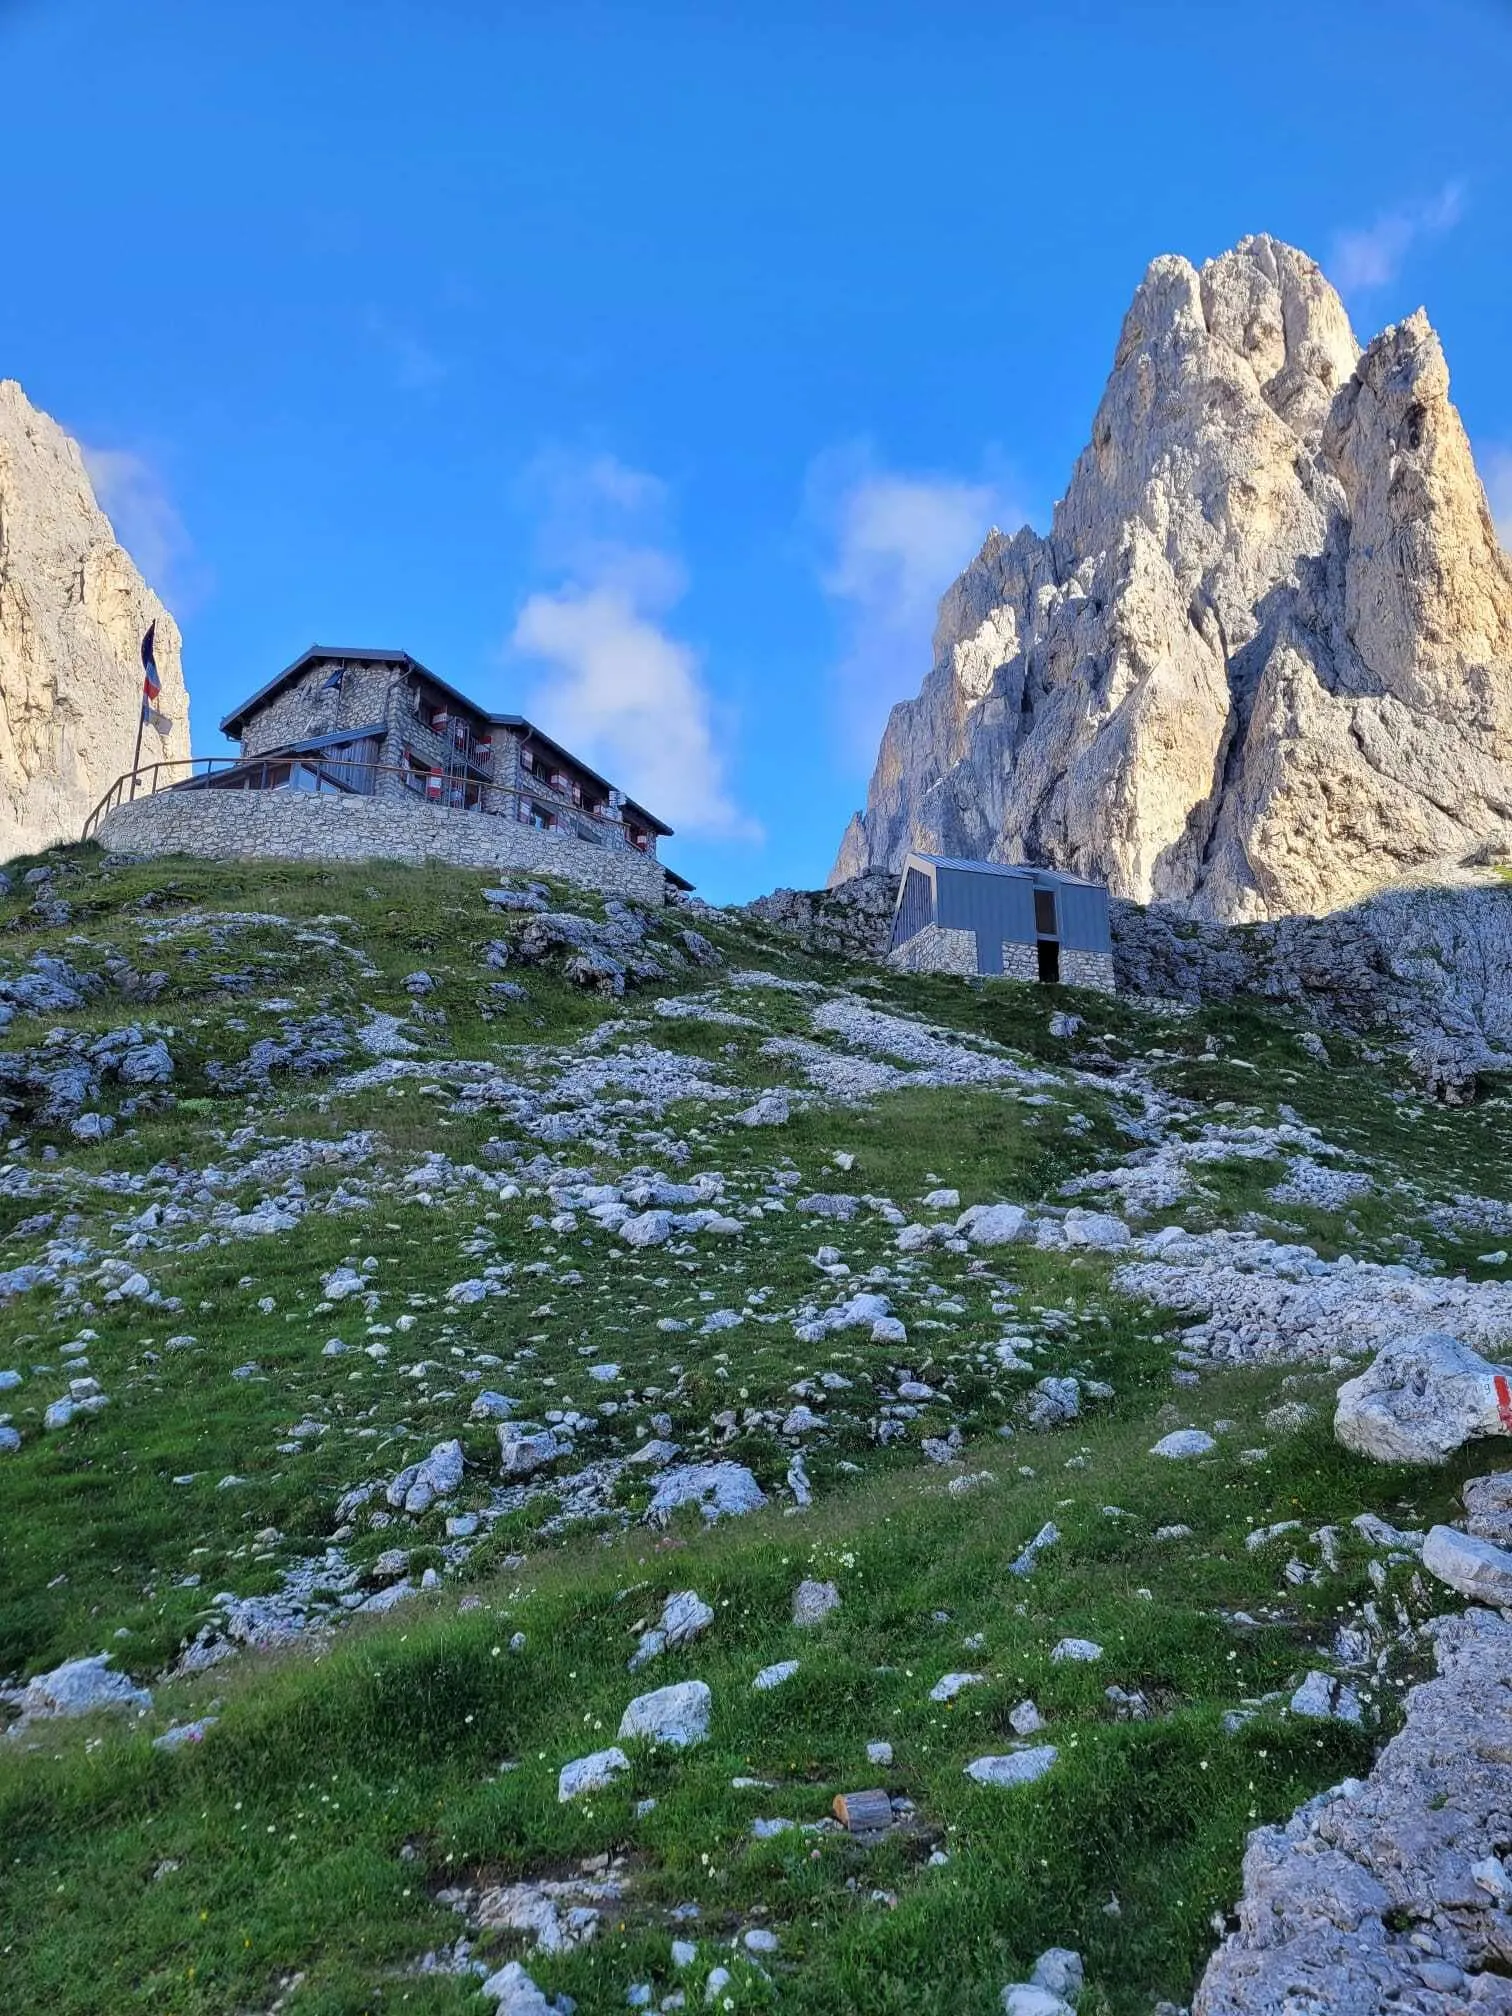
pixel 1017 868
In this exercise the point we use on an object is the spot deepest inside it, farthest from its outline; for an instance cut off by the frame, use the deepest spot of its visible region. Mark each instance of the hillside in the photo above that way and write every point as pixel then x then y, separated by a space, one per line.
pixel 1261 664
pixel 756 1318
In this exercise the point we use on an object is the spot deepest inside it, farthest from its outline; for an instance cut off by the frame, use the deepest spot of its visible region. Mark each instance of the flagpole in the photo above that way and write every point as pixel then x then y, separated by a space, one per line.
pixel 137 756
pixel 147 661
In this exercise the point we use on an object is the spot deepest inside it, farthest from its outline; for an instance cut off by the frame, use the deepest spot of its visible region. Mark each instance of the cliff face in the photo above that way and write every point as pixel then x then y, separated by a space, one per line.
pixel 1263 662
pixel 73 612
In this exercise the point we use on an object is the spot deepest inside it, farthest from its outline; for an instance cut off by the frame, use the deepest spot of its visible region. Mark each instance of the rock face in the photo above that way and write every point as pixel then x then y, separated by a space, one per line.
pixel 73 612
pixel 1263 662
pixel 1390 1892
pixel 1433 966
pixel 849 917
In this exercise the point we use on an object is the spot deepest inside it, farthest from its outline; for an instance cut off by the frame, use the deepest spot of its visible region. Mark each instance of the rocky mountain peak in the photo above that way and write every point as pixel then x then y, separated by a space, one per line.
pixel 1262 663
pixel 73 612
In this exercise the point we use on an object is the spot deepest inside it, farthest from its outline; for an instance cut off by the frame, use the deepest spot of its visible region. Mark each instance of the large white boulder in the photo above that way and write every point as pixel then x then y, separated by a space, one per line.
pixel 1421 1398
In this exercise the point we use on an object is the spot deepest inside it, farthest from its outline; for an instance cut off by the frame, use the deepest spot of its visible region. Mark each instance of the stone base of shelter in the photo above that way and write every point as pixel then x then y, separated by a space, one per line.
pixel 937 950
pixel 298 826
pixel 1088 969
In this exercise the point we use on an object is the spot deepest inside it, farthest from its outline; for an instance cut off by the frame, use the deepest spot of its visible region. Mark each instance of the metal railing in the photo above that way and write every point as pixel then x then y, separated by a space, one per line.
pixel 334 778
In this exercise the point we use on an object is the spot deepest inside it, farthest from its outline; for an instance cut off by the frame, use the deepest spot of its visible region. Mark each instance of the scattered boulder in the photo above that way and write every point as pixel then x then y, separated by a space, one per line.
pixel 1078 1651
pixel 684 1617
pixel 1184 1443
pixel 78 1687
pixel 419 1485
pixel 813 1602
pixel 1476 1568
pixel 994 1224
pixel 595 1773
pixel 719 1490
pixel 523 1451
pixel 1421 1398
pixel 1020 1767
pixel 677 1716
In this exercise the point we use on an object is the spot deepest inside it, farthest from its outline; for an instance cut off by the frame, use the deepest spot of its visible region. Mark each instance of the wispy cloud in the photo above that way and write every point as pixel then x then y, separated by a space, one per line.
pixel 1496 472
pixel 1372 255
pixel 133 494
pixel 415 365
pixel 894 544
pixel 620 686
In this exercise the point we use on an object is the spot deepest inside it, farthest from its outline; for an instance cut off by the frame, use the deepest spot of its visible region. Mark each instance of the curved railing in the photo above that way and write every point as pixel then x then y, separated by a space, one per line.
pixel 348 779
pixel 150 777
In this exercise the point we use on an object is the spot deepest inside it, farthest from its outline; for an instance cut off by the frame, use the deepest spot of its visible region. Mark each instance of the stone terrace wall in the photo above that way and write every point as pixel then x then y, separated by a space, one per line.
pixel 293 826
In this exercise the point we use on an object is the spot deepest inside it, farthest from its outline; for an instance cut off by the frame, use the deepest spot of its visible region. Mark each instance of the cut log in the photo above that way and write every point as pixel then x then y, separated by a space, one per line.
pixel 863 1812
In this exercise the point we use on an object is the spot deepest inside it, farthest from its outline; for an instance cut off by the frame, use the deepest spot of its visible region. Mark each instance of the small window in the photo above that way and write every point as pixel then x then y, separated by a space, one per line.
pixel 1044 912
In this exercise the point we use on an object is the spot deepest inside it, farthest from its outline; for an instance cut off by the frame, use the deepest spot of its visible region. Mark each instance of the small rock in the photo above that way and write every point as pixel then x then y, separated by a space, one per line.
pixel 594 1773
pixel 813 1602
pixel 677 1716
pixel 1079 1651
pixel 1184 1442
pixel 1021 1768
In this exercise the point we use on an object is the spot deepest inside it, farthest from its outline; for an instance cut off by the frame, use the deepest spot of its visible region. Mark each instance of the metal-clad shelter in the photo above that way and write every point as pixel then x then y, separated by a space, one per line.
pixel 1003 905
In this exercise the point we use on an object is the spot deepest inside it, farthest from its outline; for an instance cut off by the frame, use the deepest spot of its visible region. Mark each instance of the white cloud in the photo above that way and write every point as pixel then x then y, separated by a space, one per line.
pixel 1372 255
pixel 133 495
pixel 897 542
pixel 621 689
pixel 1496 472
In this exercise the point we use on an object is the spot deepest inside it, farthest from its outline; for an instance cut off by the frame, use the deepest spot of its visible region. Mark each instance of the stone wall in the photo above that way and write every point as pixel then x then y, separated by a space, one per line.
pixel 936 950
pixel 306 707
pixel 1088 969
pixel 296 826
pixel 1020 962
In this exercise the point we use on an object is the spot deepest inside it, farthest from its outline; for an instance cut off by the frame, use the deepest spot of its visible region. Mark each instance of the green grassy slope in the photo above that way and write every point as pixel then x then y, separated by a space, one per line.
pixel 297 1857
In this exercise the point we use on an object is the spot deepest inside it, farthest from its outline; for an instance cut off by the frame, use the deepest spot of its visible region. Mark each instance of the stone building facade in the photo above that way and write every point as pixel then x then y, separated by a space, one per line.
pixel 378 723
pixel 330 826
pixel 350 755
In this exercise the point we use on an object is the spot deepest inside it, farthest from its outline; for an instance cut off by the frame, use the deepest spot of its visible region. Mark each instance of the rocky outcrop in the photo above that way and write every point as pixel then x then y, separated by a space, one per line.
pixel 1392 1892
pixel 852 917
pixel 1432 967
pixel 73 612
pixel 1262 664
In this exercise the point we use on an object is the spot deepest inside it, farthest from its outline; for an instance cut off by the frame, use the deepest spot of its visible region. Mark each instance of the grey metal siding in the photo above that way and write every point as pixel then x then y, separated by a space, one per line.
pixel 915 906
pixel 1083 918
pixel 989 905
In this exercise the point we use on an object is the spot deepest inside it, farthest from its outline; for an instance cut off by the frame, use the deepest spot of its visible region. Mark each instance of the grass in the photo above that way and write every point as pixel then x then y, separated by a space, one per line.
pixel 299 1852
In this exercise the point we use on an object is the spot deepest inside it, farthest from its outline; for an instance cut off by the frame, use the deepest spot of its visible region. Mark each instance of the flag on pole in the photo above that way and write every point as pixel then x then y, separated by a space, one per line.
pixel 152 686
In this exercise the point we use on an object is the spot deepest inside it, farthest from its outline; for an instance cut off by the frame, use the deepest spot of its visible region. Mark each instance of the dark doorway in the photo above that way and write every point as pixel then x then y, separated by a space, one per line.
pixel 1049 960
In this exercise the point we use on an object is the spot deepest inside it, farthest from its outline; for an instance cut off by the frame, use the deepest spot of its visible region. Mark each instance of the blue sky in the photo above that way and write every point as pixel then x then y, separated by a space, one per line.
pixel 653 367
